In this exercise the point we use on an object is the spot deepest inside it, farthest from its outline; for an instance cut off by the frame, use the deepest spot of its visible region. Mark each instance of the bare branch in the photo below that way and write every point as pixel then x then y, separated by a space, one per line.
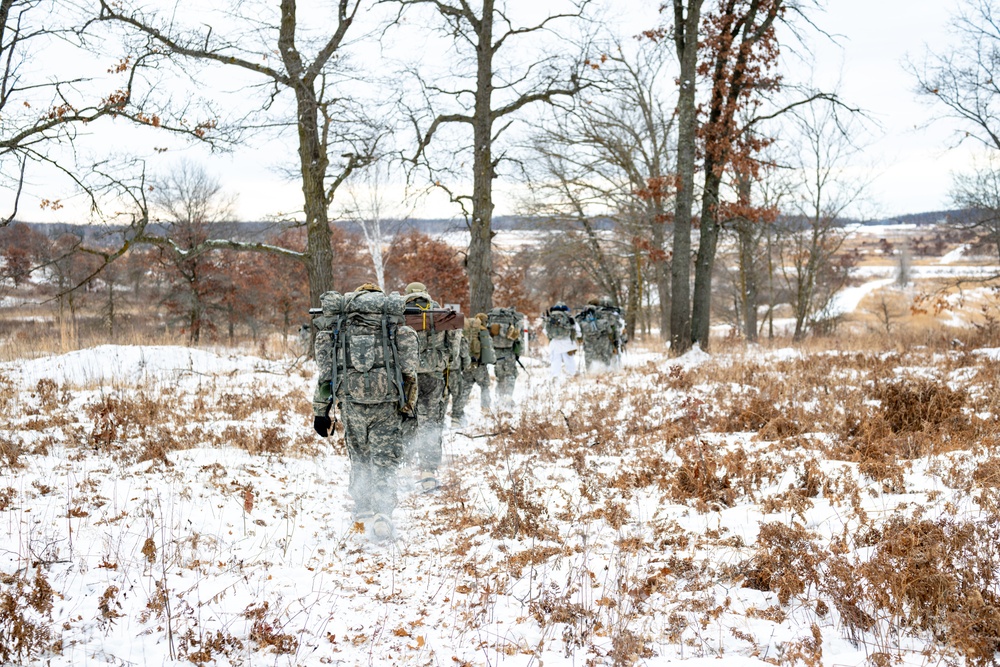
pixel 176 46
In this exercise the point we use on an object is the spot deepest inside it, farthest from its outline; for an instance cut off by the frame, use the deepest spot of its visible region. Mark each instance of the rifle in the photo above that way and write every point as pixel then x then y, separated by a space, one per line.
pixel 516 359
pixel 435 319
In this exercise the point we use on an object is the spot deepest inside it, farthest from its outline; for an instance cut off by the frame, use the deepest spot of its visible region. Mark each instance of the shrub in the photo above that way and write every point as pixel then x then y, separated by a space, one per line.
pixel 916 405
pixel 787 561
pixel 939 576
pixel 25 612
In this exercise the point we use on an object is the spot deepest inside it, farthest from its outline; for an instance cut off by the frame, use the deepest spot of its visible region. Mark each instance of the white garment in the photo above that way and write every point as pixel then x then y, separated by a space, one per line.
pixel 560 357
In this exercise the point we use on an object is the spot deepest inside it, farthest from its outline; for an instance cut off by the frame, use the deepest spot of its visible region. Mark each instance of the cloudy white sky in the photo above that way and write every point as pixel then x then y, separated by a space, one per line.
pixel 910 157
pixel 913 158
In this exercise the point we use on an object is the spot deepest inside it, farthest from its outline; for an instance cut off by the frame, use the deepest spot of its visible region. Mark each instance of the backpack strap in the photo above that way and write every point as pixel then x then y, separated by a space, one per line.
pixel 385 340
pixel 344 346
pixel 390 342
pixel 340 340
pixel 430 305
pixel 334 378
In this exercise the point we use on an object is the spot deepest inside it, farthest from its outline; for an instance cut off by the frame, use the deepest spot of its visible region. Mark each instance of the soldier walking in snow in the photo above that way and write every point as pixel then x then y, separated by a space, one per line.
pixel 505 325
pixel 438 356
pixel 563 332
pixel 367 360
pixel 603 334
pixel 477 352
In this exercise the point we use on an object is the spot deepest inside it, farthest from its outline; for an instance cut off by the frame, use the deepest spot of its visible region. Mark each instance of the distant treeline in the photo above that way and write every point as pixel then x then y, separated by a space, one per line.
pixel 106 235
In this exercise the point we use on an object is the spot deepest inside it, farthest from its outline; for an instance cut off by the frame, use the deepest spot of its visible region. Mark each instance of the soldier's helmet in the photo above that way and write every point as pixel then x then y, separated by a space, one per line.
pixel 413 288
pixel 560 306
pixel 606 302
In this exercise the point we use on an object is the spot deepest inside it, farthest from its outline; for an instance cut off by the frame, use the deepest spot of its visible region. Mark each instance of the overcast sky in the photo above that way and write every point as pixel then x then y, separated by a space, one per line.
pixel 910 158
pixel 914 157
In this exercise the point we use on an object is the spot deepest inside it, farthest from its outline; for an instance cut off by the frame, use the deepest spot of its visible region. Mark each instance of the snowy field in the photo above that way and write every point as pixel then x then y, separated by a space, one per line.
pixel 163 505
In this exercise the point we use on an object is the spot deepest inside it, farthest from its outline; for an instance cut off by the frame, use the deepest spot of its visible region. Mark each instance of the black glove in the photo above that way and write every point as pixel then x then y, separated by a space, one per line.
pixel 323 425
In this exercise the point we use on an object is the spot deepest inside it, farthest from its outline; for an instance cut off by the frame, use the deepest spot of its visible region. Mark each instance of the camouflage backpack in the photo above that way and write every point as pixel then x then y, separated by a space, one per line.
pixel 592 323
pixel 356 346
pixel 560 324
pixel 476 337
pixel 504 325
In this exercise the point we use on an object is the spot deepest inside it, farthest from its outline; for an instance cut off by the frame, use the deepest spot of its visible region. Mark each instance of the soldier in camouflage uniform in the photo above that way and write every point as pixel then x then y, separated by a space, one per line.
pixel 477 353
pixel 505 325
pixel 374 382
pixel 603 334
pixel 438 353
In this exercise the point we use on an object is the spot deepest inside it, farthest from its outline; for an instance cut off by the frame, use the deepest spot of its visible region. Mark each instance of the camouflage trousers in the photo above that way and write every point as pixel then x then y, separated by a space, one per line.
pixel 425 435
pixel 461 393
pixel 506 372
pixel 373 434
pixel 599 353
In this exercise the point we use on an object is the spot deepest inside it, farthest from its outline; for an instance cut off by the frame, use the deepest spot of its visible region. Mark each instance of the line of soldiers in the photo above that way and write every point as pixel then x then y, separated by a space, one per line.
pixel 390 362
pixel 598 326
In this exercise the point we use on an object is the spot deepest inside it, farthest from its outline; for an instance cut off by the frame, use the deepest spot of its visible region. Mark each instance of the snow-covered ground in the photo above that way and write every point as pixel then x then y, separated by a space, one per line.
pixel 847 300
pixel 943 271
pixel 164 505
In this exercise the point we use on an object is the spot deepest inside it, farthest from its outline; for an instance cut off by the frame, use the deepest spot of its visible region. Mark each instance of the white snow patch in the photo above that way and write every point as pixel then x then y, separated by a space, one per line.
pixel 132 364
pixel 692 358
pixel 786 354
pixel 847 300
pixel 953 256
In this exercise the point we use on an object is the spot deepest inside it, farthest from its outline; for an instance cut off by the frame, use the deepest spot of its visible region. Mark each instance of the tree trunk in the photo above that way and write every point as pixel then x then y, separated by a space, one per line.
pixel 109 313
pixel 194 322
pixel 479 266
pixel 632 321
pixel 661 269
pixel 313 163
pixel 804 294
pixel 686 42
pixel 708 241
pixel 748 278
pixel 748 239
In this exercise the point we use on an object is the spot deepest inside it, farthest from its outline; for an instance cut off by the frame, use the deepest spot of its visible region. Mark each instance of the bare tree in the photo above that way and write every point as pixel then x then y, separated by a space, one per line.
pixel 490 85
pixel 68 268
pixel 188 195
pixel 759 194
pixel 368 206
pixel 978 192
pixel 814 233
pixel 42 110
pixel 687 20
pixel 888 309
pixel 961 77
pixel 289 58
pixel 605 176
pixel 192 204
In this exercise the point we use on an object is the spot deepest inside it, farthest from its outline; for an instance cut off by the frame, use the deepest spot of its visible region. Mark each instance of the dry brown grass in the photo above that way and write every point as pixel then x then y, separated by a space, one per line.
pixel 25 616
pixel 788 561
pixel 935 576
